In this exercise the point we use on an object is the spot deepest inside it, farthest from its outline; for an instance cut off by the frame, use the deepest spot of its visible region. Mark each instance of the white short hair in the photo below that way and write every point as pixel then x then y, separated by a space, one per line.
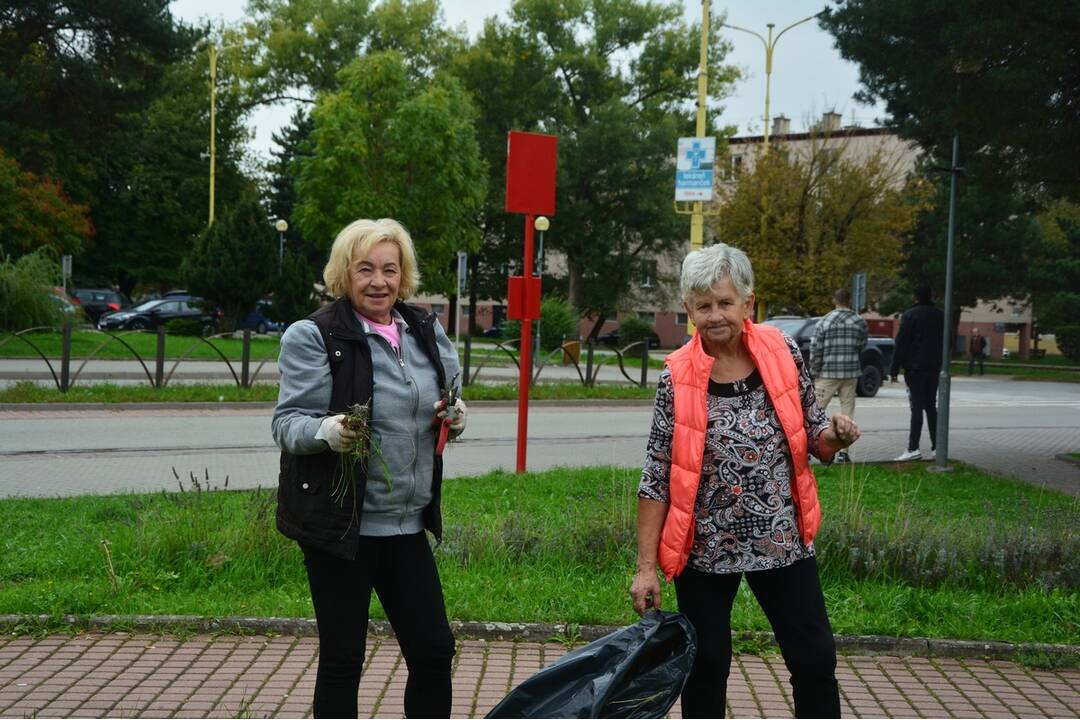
pixel 704 268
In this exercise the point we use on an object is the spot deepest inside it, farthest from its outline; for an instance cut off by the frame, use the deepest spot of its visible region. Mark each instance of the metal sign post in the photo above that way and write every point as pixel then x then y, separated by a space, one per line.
pixel 530 190
pixel 462 273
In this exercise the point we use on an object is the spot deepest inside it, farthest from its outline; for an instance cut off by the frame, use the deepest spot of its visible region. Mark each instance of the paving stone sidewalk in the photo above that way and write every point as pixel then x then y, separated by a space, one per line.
pixel 145 675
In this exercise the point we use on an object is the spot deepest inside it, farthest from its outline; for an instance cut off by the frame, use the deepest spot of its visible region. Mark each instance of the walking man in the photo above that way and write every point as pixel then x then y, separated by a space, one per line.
pixel 918 353
pixel 976 351
pixel 838 341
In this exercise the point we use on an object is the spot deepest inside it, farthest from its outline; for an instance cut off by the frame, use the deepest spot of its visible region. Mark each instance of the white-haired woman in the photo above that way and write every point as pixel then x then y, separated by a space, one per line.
pixel 361 523
pixel 727 490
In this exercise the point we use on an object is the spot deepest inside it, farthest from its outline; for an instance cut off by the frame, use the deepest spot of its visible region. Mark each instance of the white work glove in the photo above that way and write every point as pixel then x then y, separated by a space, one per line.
pixel 456 414
pixel 335 434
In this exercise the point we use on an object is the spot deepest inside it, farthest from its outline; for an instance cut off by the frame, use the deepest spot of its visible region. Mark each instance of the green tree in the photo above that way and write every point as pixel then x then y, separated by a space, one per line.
pixel 995 235
pixel 35 213
pixel 234 261
pixel 388 145
pixel 829 215
pixel 160 202
pixel 295 49
pixel 1004 74
pixel 70 71
pixel 615 81
pixel 293 290
pixel 1055 276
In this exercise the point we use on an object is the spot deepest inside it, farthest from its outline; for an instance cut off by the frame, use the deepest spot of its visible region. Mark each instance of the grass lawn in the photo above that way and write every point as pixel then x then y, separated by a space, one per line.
pixel 1052 372
pixel 903 552
pixel 30 392
pixel 86 342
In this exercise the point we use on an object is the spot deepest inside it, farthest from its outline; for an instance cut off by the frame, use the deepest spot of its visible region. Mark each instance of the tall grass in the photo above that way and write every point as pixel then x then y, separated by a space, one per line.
pixel 902 552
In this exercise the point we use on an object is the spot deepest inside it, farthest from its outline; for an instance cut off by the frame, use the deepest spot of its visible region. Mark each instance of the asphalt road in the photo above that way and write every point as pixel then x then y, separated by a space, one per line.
pixel 1005 426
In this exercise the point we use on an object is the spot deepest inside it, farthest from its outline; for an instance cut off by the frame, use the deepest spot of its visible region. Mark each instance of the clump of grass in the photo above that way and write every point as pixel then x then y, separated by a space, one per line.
pixel 906 543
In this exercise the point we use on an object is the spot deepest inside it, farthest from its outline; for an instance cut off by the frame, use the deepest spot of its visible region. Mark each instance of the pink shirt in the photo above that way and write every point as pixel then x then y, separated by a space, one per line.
pixel 388 331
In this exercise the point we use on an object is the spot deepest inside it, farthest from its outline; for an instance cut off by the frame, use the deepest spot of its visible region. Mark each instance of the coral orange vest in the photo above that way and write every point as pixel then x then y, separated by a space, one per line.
pixel 690 368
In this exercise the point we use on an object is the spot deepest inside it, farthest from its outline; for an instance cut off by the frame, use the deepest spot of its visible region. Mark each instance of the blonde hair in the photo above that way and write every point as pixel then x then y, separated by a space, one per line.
pixel 358 238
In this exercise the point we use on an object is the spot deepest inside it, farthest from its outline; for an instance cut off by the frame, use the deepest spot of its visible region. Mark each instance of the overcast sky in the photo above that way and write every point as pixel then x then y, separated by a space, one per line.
pixel 808 77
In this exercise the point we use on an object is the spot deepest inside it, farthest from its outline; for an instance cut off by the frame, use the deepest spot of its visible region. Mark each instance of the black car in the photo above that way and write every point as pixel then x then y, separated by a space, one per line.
pixel 612 339
pixel 97 302
pixel 152 313
pixel 876 357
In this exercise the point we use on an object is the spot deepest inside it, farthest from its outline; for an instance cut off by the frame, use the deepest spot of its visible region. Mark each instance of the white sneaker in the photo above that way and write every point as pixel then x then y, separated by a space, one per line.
pixel 908 455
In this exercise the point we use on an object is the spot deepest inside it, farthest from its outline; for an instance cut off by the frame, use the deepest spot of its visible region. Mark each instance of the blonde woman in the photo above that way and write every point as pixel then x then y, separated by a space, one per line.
pixel 363 528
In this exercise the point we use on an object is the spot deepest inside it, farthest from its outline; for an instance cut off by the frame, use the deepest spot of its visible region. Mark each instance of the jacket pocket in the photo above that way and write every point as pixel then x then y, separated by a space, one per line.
pixel 392 452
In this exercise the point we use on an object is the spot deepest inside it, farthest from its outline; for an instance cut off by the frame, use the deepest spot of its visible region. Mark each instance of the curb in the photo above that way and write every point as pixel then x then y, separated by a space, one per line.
pixel 261 405
pixel 508 631
pixel 1067 458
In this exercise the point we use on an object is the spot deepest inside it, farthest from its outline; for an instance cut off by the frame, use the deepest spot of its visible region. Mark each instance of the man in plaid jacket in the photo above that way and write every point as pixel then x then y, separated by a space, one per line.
pixel 838 341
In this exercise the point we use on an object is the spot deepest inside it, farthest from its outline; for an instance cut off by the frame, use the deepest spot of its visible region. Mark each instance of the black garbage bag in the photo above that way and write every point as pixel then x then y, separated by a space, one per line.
pixel 635 672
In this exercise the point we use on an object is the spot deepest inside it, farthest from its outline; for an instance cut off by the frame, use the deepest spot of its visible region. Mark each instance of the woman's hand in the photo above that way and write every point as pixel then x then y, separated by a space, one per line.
pixel 842 432
pixel 645 591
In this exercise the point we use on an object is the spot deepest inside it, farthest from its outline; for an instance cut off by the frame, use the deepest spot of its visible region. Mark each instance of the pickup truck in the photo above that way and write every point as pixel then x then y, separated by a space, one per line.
pixel 876 357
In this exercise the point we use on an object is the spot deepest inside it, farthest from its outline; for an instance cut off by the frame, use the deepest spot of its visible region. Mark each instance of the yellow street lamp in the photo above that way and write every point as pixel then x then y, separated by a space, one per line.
pixel 770 45
pixel 213 52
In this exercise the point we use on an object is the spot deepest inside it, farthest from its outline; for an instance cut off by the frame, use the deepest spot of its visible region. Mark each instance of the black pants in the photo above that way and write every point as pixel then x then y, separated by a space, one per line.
pixel 922 396
pixel 402 572
pixel 976 358
pixel 792 600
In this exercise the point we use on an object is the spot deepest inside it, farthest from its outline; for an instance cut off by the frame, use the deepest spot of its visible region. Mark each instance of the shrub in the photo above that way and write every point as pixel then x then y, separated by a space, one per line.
pixel 25 285
pixel 558 320
pixel 634 329
pixel 184 326
pixel 1068 341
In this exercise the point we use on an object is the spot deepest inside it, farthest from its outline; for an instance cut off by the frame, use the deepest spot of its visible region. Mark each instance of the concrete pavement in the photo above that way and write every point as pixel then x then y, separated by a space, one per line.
pixel 144 675
pixel 1003 426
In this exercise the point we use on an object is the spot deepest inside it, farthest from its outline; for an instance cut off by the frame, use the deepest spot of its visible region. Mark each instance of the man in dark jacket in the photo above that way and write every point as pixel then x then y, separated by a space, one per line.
pixel 976 351
pixel 918 353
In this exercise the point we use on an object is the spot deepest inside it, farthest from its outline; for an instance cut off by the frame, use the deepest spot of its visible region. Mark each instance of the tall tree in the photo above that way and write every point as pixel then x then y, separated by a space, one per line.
pixel 995 235
pixel 1055 276
pixel 1006 75
pixel 70 71
pixel 294 49
pixel 829 215
pixel 389 145
pixel 233 263
pixel 615 80
pixel 35 213
pixel 158 179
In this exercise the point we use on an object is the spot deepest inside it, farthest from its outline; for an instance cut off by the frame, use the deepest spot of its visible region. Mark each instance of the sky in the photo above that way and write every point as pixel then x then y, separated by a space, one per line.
pixel 809 77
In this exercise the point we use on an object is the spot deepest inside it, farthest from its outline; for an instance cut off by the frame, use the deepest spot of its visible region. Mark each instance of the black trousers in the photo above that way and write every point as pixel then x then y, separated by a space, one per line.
pixel 922 386
pixel 792 600
pixel 401 570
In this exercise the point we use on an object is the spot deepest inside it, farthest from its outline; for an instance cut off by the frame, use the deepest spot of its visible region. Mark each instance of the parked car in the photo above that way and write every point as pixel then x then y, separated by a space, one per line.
pixel 152 313
pixel 876 357
pixel 612 338
pixel 495 331
pixel 97 302
pixel 258 321
pixel 70 310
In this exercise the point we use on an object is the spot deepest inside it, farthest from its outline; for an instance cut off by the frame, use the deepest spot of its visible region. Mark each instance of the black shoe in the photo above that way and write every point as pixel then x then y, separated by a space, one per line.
pixel 842 457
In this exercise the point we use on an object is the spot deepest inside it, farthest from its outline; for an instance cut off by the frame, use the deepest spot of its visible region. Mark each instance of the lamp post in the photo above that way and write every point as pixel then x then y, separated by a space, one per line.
pixel 541 224
pixel 770 45
pixel 282 225
pixel 214 53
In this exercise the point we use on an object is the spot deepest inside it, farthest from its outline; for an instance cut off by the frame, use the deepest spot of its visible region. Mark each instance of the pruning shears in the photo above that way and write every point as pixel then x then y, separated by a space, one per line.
pixel 450 397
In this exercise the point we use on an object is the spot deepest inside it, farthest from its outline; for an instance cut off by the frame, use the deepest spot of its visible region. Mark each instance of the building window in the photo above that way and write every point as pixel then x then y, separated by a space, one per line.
pixel 681 319
pixel 649 317
pixel 736 165
pixel 438 309
pixel 648 275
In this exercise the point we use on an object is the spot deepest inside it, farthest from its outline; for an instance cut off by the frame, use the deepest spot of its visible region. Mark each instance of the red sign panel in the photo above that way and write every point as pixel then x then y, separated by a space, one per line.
pixel 523 298
pixel 530 173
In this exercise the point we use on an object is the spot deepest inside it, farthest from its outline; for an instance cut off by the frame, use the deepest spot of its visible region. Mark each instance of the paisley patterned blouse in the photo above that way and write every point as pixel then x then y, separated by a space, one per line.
pixel 745 519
